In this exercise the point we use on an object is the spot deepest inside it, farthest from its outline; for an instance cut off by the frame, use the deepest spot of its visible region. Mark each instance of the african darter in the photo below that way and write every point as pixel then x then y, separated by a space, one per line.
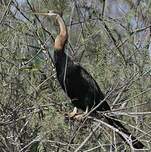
pixel 78 84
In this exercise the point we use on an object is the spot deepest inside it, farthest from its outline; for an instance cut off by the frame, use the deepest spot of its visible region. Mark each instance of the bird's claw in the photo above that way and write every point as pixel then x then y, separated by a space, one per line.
pixel 72 114
pixel 79 117
pixel 75 116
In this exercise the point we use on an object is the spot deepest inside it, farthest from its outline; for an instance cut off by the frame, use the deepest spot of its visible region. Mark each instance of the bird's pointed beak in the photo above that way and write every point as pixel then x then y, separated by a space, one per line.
pixel 45 14
pixel 50 13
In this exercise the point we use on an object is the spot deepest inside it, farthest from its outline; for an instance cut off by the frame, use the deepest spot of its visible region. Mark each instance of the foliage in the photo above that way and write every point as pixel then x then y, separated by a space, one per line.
pixel 110 39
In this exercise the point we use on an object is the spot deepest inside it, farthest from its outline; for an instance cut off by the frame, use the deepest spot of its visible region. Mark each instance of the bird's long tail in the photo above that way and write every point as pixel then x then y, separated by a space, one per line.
pixel 116 124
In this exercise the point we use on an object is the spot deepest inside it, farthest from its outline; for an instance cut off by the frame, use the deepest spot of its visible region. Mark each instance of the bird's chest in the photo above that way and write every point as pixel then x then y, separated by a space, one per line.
pixel 69 79
pixel 71 83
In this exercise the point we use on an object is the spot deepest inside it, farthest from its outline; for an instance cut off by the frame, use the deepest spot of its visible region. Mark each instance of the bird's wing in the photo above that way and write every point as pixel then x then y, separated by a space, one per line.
pixel 90 80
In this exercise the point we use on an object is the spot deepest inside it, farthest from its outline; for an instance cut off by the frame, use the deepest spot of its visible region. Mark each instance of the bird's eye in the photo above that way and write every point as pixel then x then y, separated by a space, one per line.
pixel 51 11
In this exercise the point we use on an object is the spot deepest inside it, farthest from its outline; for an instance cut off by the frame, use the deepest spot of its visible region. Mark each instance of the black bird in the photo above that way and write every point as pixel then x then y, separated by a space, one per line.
pixel 78 84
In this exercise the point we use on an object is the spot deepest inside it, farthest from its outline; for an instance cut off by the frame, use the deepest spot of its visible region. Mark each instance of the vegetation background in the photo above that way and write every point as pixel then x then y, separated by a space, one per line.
pixel 110 38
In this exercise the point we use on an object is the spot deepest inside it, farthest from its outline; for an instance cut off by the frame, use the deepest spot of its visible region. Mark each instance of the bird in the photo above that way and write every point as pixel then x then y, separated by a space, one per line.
pixel 79 85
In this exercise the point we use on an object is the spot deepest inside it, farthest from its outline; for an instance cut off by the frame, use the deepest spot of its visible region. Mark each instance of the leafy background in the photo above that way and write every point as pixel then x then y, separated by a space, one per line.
pixel 111 39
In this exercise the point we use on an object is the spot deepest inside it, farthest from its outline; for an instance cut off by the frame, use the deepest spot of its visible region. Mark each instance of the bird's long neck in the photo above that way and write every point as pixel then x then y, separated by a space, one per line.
pixel 62 36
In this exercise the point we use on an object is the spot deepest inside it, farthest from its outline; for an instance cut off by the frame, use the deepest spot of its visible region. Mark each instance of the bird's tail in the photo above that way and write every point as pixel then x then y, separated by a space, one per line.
pixel 116 124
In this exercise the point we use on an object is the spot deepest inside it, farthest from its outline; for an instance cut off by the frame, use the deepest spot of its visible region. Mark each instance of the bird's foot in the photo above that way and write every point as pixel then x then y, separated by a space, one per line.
pixel 80 116
pixel 72 114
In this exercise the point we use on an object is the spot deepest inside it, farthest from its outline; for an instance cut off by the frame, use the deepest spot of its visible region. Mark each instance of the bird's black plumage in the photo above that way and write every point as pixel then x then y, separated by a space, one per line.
pixel 84 91
pixel 78 84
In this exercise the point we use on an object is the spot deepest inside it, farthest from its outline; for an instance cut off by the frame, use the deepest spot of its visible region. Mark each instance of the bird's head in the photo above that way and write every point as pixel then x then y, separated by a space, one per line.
pixel 50 13
pixel 63 35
